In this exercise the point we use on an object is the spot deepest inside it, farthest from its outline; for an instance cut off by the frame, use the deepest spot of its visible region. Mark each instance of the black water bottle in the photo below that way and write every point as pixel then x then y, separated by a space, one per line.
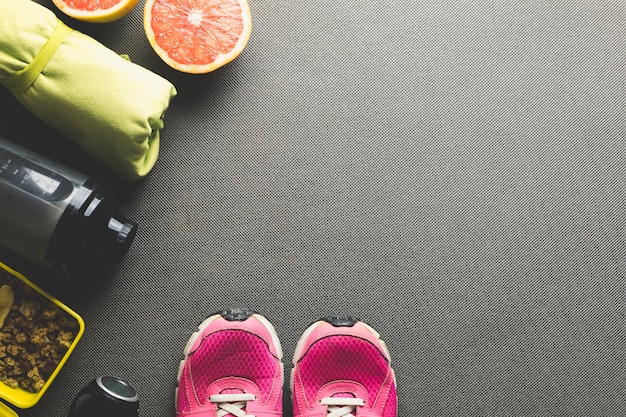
pixel 56 217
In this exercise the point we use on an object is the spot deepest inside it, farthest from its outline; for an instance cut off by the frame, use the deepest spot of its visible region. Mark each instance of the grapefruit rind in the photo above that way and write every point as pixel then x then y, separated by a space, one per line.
pixel 111 14
pixel 220 60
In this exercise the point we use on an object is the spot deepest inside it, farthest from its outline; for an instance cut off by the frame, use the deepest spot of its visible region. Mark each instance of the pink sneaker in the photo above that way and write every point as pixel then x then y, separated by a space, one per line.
pixel 342 369
pixel 232 367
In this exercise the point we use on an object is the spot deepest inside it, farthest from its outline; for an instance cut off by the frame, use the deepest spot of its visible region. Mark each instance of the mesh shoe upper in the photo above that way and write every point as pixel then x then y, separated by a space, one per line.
pixel 342 371
pixel 231 368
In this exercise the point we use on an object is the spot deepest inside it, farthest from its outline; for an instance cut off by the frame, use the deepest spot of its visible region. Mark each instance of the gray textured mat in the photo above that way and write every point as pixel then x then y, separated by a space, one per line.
pixel 452 172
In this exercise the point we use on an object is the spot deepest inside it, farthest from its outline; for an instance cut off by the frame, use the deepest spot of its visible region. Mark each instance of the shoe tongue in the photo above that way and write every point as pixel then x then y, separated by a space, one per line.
pixel 232 391
pixel 343 395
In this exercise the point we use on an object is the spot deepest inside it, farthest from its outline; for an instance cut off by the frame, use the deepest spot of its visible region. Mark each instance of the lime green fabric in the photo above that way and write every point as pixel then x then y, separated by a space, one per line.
pixel 108 105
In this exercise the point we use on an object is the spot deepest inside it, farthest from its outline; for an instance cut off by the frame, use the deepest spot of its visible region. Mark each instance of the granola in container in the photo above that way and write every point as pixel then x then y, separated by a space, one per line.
pixel 37 333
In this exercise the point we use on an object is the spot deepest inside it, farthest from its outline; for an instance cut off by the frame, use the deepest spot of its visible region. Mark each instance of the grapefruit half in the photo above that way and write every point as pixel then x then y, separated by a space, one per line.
pixel 96 11
pixel 197 36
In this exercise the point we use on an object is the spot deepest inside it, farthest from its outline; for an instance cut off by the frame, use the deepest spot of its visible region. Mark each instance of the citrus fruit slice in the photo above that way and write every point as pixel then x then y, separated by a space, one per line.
pixel 197 36
pixel 96 11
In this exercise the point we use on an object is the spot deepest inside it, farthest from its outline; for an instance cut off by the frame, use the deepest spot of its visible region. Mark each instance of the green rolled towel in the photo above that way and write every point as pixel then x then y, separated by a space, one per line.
pixel 109 106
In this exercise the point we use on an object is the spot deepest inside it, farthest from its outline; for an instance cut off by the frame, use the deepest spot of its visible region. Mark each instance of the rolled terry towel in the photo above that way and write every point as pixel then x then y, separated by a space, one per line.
pixel 110 107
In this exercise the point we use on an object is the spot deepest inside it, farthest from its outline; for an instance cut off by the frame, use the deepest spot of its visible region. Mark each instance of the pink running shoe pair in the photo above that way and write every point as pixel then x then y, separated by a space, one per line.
pixel 232 368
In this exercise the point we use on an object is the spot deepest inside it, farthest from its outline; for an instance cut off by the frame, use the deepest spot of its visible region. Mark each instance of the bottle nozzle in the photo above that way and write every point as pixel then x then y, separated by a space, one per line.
pixel 120 234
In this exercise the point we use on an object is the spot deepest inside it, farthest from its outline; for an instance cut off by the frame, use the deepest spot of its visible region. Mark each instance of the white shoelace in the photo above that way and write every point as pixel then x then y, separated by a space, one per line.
pixel 342 407
pixel 232 404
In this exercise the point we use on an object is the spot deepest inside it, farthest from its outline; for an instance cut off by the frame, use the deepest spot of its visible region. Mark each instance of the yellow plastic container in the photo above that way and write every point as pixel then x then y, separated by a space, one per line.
pixel 20 397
